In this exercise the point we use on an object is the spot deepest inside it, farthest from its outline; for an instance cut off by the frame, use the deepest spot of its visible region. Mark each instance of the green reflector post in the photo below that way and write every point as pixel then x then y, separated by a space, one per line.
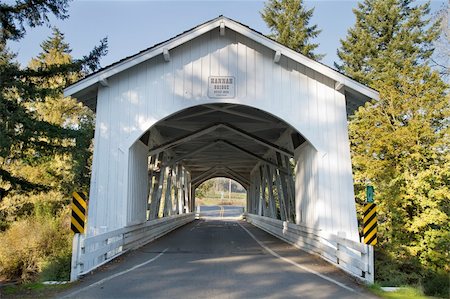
pixel 369 193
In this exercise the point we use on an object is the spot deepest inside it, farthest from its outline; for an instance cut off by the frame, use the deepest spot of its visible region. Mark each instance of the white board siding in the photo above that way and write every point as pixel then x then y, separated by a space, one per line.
pixel 141 96
pixel 137 183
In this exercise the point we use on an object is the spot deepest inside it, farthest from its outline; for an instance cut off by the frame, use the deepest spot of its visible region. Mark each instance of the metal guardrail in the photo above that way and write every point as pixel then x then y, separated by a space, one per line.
pixel 353 257
pixel 92 252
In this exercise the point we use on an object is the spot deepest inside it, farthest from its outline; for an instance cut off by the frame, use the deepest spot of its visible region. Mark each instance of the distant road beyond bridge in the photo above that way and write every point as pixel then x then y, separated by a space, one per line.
pixel 217 258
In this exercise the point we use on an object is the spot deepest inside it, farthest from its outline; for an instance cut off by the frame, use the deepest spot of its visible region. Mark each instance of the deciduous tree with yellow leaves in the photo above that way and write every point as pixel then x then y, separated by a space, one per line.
pixel 401 143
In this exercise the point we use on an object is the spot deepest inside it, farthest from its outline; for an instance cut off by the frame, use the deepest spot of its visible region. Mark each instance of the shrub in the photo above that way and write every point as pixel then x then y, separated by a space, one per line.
pixel 437 284
pixel 33 244
pixel 58 269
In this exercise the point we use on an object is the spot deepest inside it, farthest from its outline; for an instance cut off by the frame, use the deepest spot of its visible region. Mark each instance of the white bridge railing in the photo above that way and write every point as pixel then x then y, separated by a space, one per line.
pixel 353 257
pixel 92 252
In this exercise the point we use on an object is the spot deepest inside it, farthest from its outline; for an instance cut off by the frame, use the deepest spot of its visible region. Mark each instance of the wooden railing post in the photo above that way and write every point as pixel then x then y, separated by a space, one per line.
pixel 370 274
pixel 76 252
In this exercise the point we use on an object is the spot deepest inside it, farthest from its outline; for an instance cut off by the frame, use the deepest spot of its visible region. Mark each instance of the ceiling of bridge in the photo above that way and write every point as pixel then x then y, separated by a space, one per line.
pixel 222 140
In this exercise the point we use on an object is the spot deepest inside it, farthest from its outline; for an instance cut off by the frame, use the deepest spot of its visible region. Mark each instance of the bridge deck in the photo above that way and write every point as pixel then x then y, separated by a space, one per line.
pixel 217 259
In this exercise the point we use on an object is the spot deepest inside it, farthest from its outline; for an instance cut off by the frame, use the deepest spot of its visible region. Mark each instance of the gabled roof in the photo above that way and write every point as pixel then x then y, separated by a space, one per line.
pixel 86 89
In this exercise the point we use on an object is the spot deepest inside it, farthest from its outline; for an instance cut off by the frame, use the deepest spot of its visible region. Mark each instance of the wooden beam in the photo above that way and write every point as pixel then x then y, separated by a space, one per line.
pixel 231 171
pixel 241 114
pixel 153 160
pixel 198 182
pixel 218 170
pixel 168 195
pixel 103 82
pixel 259 140
pixel 271 199
pixel 198 150
pixel 277 57
pixel 252 154
pixel 263 191
pixel 166 55
pixel 218 173
pixel 183 139
pixel 176 184
pixel 213 127
pixel 222 28
pixel 230 175
pixel 290 189
pixel 208 111
pixel 259 191
pixel 281 196
pixel 203 175
pixel 186 184
pixel 338 85
pixel 157 193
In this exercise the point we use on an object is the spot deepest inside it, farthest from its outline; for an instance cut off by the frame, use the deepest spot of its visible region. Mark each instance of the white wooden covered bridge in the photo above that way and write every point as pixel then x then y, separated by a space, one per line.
pixel 221 100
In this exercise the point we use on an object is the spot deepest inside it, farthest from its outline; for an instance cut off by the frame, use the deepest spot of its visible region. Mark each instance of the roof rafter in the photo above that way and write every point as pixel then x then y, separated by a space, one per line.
pixel 253 155
pixel 214 127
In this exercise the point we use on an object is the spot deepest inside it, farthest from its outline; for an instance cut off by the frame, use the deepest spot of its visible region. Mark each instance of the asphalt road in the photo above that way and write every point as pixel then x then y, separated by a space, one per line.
pixel 217 259
pixel 221 211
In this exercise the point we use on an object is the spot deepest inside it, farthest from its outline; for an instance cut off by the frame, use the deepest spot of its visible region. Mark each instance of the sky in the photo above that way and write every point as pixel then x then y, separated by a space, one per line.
pixel 132 26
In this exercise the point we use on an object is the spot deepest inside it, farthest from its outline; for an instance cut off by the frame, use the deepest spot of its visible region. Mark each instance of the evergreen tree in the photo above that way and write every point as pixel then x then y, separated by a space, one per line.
pixel 26 137
pixel 384 35
pixel 64 111
pixel 400 144
pixel 59 172
pixel 288 20
pixel 67 170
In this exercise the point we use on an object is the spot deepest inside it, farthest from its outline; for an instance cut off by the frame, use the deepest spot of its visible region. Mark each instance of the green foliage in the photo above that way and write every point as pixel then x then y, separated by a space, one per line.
pixel 14 17
pixel 36 122
pixel 58 268
pixel 288 21
pixel 34 244
pixel 204 188
pixel 385 34
pixel 57 172
pixel 45 144
pixel 34 290
pixel 400 144
pixel 402 293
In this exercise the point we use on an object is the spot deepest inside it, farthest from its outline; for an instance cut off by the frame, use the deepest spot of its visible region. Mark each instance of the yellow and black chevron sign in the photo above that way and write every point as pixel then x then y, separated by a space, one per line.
pixel 370 224
pixel 79 212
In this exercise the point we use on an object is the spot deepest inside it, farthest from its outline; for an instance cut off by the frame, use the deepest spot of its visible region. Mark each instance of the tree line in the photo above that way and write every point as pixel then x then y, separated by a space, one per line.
pixel 399 144
pixel 45 142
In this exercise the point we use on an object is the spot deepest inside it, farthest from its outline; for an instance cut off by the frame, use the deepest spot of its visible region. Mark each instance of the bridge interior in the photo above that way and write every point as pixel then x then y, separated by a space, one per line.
pixel 221 140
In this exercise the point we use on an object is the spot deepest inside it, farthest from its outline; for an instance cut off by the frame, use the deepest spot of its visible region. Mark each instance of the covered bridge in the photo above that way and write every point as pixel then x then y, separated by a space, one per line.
pixel 219 100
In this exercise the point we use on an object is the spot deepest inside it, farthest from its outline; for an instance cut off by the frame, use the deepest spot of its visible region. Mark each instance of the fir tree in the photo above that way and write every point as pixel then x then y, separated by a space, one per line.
pixel 13 18
pixel 64 112
pixel 24 136
pixel 288 20
pixel 384 35
pixel 59 172
pixel 400 144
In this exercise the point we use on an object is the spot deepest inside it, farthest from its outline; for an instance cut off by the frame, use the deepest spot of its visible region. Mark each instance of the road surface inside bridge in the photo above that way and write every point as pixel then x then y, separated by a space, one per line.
pixel 217 258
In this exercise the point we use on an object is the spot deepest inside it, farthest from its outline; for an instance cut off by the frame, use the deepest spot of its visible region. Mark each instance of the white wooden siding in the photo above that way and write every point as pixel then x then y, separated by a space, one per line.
pixel 139 97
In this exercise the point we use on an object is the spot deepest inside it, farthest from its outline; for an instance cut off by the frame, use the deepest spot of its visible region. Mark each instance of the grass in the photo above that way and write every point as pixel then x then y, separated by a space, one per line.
pixel 215 198
pixel 402 293
pixel 32 290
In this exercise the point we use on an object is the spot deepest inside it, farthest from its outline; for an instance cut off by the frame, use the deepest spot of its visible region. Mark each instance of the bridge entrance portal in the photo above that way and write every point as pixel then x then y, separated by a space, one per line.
pixel 221 100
